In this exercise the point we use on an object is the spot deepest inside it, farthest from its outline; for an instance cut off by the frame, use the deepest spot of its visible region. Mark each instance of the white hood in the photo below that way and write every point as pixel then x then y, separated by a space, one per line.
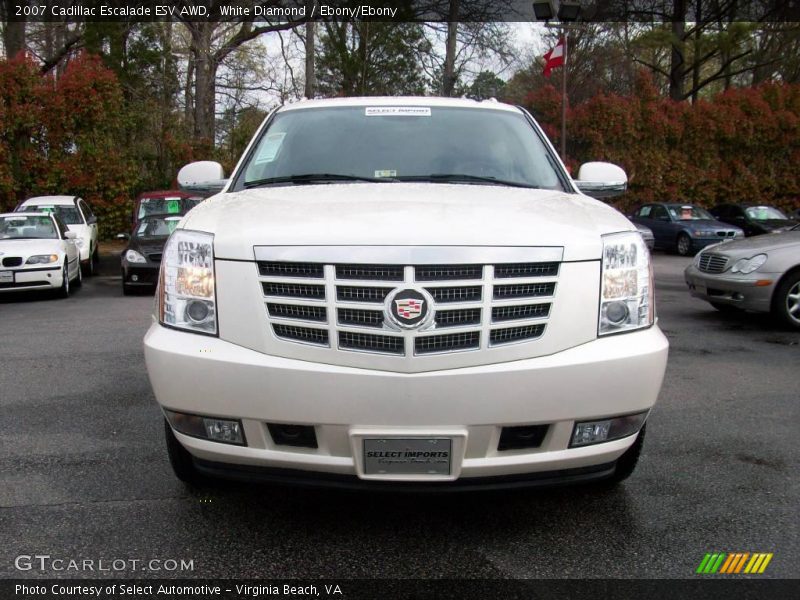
pixel 29 247
pixel 404 214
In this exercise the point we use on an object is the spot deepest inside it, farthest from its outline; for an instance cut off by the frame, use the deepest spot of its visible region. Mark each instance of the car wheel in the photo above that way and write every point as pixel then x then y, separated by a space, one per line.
pixel 683 245
pixel 626 464
pixel 180 459
pixel 726 308
pixel 786 301
pixel 94 261
pixel 63 291
pixel 79 278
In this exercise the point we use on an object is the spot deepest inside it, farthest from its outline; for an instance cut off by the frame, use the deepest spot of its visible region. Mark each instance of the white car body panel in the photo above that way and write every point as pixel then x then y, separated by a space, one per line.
pixel 86 232
pixel 248 373
pixel 37 277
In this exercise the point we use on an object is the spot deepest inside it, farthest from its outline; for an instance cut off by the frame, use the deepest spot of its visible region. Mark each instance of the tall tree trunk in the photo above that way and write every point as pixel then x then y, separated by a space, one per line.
pixel 311 75
pixel 205 74
pixel 696 66
pixel 676 69
pixel 449 75
pixel 13 31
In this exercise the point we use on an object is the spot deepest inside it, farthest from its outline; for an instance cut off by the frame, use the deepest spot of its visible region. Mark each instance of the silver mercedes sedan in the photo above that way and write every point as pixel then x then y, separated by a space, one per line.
pixel 760 274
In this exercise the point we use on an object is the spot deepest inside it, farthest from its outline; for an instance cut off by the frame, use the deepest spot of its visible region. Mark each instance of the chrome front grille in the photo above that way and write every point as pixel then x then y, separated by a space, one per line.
pixel 473 307
pixel 712 263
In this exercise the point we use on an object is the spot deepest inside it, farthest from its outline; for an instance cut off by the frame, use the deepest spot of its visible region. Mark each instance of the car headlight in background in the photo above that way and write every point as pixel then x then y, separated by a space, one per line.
pixel 79 241
pixel 187 296
pixel 132 256
pixel 42 259
pixel 704 233
pixel 748 265
pixel 626 284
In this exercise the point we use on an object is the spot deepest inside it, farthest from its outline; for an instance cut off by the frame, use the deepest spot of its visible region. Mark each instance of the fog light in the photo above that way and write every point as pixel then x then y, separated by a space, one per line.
pixel 134 278
pixel 198 311
pixel 606 430
pixel 616 312
pixel 227 431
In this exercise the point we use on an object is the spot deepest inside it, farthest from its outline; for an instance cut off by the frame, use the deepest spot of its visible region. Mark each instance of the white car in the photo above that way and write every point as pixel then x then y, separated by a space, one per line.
pixel 78 216
pixel 405 292
pixel 37 252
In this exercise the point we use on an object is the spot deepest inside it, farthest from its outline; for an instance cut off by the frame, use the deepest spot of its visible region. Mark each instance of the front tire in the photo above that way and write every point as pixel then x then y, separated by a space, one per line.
pixel 626 464
pixel 179 458
pixel 786 301
pixel 79 278
pixel 64 290
pixel 683 245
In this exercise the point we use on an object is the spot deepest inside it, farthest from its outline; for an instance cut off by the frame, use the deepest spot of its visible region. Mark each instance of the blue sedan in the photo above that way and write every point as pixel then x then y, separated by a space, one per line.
pixel 684 228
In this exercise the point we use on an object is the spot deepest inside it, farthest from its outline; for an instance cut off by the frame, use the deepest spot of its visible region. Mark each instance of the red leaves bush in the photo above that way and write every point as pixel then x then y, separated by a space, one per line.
pixel 65 135
pixel 742 145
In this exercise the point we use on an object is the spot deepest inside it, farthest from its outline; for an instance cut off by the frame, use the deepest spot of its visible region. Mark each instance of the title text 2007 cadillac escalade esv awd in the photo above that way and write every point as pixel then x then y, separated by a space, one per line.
pixel 405 292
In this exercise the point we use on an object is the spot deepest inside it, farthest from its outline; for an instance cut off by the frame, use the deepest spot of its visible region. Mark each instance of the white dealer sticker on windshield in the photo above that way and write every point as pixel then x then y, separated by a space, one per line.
pixel 269 148
pixel 397 111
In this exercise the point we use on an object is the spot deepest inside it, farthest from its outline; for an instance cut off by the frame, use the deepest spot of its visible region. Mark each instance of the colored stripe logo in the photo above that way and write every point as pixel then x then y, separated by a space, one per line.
pixel 734 563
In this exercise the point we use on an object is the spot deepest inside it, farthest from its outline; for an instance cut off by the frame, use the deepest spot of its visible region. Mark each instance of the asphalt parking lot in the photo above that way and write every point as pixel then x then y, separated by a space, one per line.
pixel 84 474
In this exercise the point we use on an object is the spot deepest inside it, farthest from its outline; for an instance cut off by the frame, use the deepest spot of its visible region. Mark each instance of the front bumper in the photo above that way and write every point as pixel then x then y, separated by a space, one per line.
pixel 34 278
pixel 140 274
pixel 736 290
pixel 203 375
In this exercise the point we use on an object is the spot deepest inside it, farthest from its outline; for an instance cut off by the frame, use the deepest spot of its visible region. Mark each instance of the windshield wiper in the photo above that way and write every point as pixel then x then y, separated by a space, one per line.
pixel 465 178
pixel 314 178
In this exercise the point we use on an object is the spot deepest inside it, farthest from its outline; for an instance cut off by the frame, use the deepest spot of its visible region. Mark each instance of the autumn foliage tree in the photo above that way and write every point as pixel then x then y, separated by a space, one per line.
pixel 65 136
pixel 742 145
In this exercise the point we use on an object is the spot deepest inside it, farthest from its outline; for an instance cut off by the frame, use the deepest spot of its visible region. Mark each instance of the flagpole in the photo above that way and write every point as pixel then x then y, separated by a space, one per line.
pixel 564 99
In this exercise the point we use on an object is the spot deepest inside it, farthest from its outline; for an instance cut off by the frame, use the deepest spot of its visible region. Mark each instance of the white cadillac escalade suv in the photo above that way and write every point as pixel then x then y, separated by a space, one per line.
pixel 405 292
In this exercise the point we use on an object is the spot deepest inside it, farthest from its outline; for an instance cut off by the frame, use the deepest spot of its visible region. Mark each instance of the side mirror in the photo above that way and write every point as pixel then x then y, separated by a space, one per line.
pixel 92 220
pixel 123 236
pixel 205 177
pixel 70 235
pixel 601 180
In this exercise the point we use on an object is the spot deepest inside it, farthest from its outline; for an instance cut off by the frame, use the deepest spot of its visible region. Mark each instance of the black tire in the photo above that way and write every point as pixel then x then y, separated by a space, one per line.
pixel 726 308
pixel 626 464
pixel 127 290
pixel 94 262
pixel 79 279
pixel 180 459
pixel 64 290
pixel 683 245
pixel 786 301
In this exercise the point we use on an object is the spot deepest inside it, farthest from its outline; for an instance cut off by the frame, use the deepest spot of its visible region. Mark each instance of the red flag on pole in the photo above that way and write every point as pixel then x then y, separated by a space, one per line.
pixel 554 58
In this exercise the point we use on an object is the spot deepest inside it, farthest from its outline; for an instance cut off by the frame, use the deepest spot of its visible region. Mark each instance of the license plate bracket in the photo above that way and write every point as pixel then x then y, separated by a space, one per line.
pixel 408 456
pixel 6 276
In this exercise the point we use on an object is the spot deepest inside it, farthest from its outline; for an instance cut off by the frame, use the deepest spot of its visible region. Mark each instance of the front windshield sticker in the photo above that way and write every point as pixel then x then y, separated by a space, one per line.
pixel 173 206
pixel 386 173
pixel 47 209
pixel 269 148
pixel 397 111
pixel 172 224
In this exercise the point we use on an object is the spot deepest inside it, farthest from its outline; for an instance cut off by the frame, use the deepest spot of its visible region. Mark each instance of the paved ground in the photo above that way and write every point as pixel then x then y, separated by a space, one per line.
pixel 83 472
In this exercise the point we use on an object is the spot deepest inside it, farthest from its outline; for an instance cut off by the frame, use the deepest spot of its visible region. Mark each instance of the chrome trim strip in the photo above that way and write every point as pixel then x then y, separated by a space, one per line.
pixel 410 255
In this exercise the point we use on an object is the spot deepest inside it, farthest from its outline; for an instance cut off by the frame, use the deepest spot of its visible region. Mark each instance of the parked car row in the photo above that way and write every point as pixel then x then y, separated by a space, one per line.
pixel 687 228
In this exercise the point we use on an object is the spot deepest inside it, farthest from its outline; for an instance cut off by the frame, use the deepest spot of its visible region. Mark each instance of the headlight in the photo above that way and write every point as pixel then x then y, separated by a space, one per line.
pixel 132 256
pixel 42 259
pixel 79 242
pixel 704 233
pixel 748 265
pixel 187 296
pixel 626 285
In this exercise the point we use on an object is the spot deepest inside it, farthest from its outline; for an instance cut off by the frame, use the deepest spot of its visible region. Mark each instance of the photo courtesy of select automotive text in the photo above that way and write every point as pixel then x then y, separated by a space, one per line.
pixel 399 299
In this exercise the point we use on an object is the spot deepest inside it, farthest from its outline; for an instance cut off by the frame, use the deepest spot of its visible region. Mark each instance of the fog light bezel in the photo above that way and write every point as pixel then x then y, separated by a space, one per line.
pixel 623 429
pixel 194 426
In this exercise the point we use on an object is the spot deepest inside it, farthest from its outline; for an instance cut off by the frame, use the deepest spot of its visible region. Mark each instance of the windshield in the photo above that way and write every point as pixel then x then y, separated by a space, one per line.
pixel 158 206
pixel 389 144
pixel 764 213
pixel 156 226
pixel 69 214
pixel 688 213
pixel 27 227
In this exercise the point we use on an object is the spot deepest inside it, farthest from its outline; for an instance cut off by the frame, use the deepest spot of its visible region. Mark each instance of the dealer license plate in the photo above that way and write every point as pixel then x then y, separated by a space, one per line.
pixel 6 276
pixel 407 456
